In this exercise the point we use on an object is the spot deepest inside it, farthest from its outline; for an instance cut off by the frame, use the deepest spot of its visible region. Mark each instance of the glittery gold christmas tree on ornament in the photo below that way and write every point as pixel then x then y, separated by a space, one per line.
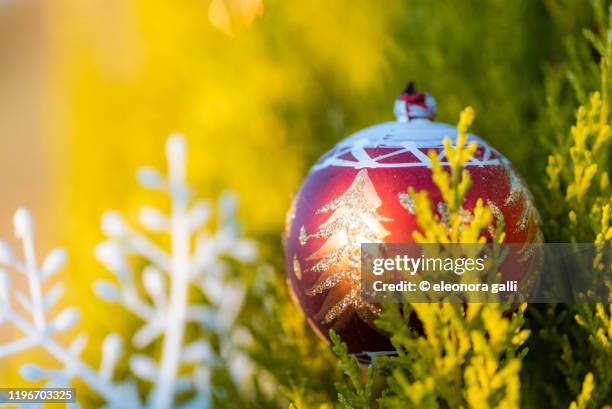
pixel 358 193
pixel 353 221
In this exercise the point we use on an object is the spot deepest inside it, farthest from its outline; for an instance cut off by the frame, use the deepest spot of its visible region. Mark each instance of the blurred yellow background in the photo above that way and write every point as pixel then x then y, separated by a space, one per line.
pixel 92 89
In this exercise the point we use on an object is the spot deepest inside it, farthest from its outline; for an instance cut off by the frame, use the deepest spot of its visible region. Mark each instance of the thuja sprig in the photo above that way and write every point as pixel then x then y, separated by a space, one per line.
pixel 579 173
pixel 357 394
pixel 453 188
pixel 465 356
pixel 582 400
pixel 579 210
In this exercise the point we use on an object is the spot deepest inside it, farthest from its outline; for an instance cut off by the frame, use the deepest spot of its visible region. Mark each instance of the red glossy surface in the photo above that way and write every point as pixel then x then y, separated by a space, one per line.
pixel 492 183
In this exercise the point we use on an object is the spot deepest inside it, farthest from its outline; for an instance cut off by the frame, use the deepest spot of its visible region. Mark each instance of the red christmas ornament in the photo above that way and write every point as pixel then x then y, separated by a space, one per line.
pixel 356 193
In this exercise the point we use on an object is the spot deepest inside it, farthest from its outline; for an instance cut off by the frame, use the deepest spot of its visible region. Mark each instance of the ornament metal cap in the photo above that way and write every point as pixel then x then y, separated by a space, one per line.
pixel 412 105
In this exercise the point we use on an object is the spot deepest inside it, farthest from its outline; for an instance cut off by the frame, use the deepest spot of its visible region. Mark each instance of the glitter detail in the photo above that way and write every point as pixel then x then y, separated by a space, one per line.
pixel 303 236
pixel 526 252
pixel 465 216
pixel 444 215
pixel 524 220
pixel 529 249
pixel 353 221
pixel 332 259
pixel 407 202
pixel 352 299
pixel 497 214
pixel 297 269
pixel 529 282
pixel 369 312
pixel 518 192
pixel 327 283
pixel 358 196
pixel 516 187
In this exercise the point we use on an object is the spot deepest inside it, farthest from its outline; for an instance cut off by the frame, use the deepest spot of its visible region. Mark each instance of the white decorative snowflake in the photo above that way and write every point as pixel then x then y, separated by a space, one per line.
pixel 196 261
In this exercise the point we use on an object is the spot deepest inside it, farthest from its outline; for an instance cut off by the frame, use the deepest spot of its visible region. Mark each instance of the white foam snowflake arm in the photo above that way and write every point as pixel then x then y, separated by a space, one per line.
pixel 31 314
pixel 168 275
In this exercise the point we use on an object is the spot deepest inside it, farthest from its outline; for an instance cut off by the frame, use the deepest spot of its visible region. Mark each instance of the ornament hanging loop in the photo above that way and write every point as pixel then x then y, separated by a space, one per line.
pixel 411 105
